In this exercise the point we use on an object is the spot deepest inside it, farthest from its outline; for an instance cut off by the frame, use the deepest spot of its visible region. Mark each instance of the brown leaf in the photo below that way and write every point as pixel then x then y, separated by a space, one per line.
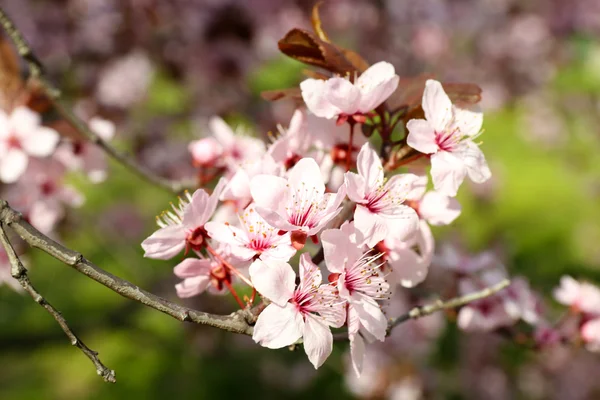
pixel 278 94
pixel 11 82
pixel 315 19
pixel 309 73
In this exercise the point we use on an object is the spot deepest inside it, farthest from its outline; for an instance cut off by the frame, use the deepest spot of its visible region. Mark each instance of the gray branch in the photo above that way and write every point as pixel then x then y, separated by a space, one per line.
pixel 238 322
pixel 36 71
pixel 19 272
pixel 439 305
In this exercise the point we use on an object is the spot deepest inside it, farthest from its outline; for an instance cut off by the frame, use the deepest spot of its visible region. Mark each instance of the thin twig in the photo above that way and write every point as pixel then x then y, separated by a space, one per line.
pixel 19 272
pixel 236 322
pixel 36 71
pixel 439 305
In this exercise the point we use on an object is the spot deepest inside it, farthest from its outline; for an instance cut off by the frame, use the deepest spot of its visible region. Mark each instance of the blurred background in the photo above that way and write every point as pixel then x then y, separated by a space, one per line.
pixel 158 69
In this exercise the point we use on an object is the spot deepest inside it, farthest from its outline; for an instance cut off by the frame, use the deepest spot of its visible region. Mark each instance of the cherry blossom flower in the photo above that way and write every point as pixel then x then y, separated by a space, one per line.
pixel 590 333
pixel 22 136
pixel 200 275
pixel 409 258
pixel 580 296
pixel 447 134
pixel 86 156
pixel 184 226
pixel 340 98
pixel 42 196
pixel 361 283
pixel 255 239
pixel 238 187
pixel 299 203
pixel 379 210
pixel 432 206
pixel 454 259
pixel 294 142
pixel 232 148
pixel 305 311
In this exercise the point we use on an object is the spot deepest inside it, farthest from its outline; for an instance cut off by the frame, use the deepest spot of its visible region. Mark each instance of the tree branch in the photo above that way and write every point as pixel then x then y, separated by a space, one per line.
pixel 237 322
pixel 19 272
pixel 36 72
pixel 439 305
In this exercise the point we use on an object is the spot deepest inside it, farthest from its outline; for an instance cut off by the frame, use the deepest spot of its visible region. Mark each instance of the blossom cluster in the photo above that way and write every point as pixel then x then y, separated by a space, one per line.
pixel 34 161
pixel 322 186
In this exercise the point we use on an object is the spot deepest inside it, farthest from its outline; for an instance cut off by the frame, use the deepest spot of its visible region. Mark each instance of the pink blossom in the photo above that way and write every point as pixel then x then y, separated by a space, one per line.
pixel 254 239
pixel 42 196
pixel 305 311
pixel 238 187
pixel 409 258
pixel 299 203
pixel 294 142
pixel 184 226
pixel 201 274
pixel 434 207
pixel 21 137
pixel 361 283
pixel 379 211
pixel 340 98
pixel 236 148
pixel 581 296
pixel 447 134
pixel 590 333
pixel 86 156
pixel 454 259
pixel 205 152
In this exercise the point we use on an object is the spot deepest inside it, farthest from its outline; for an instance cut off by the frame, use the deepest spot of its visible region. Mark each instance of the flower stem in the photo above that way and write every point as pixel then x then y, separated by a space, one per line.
pixel 234 293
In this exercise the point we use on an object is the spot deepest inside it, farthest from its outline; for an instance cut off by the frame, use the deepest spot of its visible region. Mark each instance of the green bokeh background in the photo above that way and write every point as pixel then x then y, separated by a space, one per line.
pixel 543 208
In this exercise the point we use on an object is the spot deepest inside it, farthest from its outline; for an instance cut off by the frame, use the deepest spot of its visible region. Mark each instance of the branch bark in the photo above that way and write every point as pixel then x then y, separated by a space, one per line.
pixel 238 322
pixel 36 71
pixel 19 272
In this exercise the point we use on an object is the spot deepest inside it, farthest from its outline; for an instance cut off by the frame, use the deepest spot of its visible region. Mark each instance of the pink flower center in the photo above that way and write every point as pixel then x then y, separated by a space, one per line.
pixel 365 277
pixel 448 140
pixel 13 142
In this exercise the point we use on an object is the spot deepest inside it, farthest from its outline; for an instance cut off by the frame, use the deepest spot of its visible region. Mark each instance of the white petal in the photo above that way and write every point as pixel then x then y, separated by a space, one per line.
pixel 268 191
pixel 192 286
pixel 338 250
pixel 376 84
pixel 191 267
pixel 447 173
pixel 314 95
pixel 469 122
pixel 357 352
pixel 373 227
pixel 355 187
pixel 13 165
pixel 274 219
pixel 41 142
pixel 103 128
pixel 342 94
pixel 437 105
pixel 310 274
pixel 278 327
pixel 306 176
pixel 318 341
pixel 24 122
pixel 369 167
pixel 165 243
pixel 273 279
pixel 226 233
pixel 439 209
pixel 475 162
pixel 370 315
pixel 421 136
pixel 221 131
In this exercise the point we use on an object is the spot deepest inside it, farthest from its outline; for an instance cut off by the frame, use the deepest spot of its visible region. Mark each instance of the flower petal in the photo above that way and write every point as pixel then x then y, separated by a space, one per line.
pixel 475 162
pixel 191 267
pixel 370 315
pixel 342 94
pixel 373 227
pixel 447 173
pixel 314 95
pixel 436 105
pixel 13 165
pixel 192 286
pixel 221 131
pixel 357 352
pixel 318 340
pixel 273 279
pixel 268 191
pixel 165 243
pixel 278 327
pixel 469 122
pixel 376 84
pixel 306 177
pixel 369 167
pixel 338 250
pixel 226 233
pixel 421 136
pixel 41 142
pixel 355 187
pixel 439 209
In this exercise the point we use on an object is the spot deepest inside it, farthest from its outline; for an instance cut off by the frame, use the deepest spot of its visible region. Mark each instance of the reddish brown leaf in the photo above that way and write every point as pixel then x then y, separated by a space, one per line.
pixel 309 73
pixel 315 19
pixel 11 82
pixel 278 94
